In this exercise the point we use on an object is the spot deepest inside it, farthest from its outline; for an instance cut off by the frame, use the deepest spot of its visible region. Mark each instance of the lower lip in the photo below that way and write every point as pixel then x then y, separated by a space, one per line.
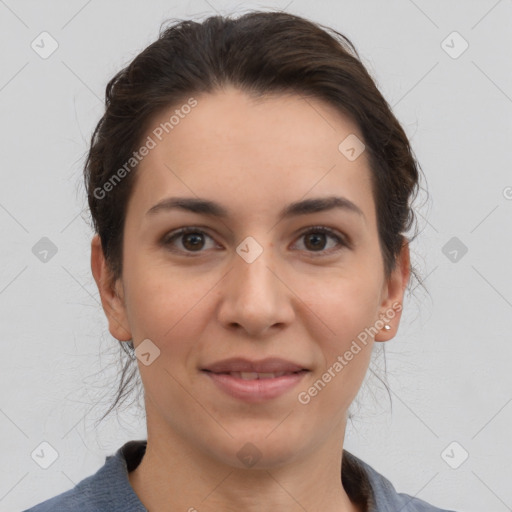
pixel 256 390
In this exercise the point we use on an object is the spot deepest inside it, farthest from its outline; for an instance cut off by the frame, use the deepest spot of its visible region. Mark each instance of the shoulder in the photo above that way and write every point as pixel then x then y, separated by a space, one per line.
pixel 78 498
pixel 385 498
pixel 107 490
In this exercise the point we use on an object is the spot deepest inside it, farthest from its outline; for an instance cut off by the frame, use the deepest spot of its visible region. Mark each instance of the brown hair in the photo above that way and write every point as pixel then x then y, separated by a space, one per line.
pixel 259 53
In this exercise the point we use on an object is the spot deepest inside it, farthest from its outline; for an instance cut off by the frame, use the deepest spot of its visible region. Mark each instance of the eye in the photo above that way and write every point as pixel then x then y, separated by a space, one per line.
pixel 316 238
pixel 193 239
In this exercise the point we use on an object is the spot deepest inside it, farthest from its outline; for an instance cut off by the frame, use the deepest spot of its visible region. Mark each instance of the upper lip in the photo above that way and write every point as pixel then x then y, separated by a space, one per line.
pixel 239 364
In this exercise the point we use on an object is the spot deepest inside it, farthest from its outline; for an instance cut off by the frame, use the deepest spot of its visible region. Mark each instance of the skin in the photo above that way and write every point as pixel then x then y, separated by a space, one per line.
pixel 295 302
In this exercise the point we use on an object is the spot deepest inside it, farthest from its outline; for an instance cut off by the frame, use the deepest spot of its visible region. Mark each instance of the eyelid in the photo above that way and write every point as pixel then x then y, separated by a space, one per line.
pixel 343 240
pixel 175 234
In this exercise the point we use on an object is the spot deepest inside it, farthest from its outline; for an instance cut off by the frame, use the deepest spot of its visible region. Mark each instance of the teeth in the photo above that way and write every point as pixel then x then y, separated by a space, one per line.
pixel 267 375
pixel 248 375
pixel 255 375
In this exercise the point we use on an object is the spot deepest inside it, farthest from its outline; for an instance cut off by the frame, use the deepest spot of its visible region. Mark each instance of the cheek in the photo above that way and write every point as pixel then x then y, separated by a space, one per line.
pixel 342 304
pixel 343 344
pixel 171 313
pixel 166 306
pixel 341 313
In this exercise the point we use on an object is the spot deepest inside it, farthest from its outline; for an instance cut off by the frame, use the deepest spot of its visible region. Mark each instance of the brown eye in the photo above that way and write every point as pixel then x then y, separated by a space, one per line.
pixel 192 241
pixel 186 240
pixel 316 239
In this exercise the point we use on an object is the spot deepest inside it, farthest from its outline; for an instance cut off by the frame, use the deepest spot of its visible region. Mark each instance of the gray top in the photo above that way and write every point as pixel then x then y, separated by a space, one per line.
pixel 109 489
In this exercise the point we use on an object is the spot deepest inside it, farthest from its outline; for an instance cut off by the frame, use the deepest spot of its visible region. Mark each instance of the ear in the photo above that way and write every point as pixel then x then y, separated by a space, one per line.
pixel 393 295
pixel 112 302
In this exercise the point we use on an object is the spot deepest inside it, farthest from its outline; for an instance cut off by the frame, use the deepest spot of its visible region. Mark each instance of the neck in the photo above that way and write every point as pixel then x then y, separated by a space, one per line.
pixel 173 475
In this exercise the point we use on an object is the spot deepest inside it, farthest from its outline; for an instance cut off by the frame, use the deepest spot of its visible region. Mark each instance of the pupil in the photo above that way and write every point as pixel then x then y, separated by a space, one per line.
pixel 194 244
pixel 194 240
pixel 317 236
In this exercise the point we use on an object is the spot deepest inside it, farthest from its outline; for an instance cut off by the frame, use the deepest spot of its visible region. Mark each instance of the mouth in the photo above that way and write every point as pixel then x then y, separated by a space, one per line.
pixel 255 381
pixel 256 375
pixel 273 366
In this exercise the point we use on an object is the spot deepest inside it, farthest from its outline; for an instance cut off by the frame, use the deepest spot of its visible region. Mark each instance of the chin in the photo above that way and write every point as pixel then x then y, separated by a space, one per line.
pixel 263 448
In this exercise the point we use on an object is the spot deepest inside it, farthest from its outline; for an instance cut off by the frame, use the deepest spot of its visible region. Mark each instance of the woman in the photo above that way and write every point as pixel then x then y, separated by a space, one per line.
pixel 250 189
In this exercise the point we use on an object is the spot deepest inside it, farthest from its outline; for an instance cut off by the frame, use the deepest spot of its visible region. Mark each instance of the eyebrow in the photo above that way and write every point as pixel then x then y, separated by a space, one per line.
pixel 211 208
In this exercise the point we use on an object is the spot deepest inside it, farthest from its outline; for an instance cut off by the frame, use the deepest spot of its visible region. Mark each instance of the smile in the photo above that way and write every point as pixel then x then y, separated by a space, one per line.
pixel 255 375
pixel 254 387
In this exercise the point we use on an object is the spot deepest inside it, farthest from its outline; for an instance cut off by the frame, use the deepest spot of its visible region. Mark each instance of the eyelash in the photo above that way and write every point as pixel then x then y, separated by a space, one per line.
pixel 342 242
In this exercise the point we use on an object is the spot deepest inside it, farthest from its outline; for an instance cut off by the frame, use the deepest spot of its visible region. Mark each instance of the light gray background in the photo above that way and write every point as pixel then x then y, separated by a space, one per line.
pixel 449 365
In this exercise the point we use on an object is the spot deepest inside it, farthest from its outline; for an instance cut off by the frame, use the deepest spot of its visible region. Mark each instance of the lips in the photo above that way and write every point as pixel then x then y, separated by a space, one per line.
pixel 265 368
pixel 256 375
pixel 255 381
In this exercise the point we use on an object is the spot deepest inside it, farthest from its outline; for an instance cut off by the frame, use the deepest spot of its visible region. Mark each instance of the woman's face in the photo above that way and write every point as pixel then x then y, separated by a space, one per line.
pixel 253 283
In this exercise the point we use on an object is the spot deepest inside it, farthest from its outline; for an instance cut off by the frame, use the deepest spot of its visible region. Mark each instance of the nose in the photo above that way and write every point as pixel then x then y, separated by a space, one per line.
pixel 255 297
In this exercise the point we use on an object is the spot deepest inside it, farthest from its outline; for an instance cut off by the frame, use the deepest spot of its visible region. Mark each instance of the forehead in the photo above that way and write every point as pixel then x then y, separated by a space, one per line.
pixel 246 152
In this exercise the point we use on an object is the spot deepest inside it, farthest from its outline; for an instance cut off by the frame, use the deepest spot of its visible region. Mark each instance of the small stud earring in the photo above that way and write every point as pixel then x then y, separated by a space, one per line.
pixel 387 327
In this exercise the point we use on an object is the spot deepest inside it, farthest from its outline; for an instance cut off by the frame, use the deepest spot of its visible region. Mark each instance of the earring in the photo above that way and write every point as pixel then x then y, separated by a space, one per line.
pixel 387 327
